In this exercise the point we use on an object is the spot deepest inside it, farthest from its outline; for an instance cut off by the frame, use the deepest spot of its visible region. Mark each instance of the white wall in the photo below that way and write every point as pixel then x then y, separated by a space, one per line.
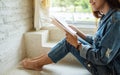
pixel 16 18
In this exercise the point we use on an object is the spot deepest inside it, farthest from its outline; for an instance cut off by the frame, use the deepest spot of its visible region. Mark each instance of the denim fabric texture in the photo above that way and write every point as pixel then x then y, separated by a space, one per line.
pixel 100 54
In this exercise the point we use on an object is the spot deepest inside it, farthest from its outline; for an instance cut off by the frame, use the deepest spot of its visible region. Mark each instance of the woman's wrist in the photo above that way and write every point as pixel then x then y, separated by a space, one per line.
pixel 79 46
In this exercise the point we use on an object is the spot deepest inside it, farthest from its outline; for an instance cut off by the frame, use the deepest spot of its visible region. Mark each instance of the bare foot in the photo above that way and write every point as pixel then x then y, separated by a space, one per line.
pixel 31 64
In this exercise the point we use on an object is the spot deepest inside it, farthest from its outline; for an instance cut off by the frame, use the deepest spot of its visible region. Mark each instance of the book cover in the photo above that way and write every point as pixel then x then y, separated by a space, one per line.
pixel 61 24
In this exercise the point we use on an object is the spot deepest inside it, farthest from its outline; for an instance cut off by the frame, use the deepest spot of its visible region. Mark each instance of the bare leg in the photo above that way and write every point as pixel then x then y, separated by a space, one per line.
pixel 37 63
pixel 38 57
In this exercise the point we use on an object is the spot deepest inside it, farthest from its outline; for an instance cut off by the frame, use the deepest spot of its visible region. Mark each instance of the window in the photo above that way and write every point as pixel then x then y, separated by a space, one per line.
pixel 76 12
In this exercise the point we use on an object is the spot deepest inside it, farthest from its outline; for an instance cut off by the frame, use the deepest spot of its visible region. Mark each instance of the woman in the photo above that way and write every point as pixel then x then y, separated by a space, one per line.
pixel 100 54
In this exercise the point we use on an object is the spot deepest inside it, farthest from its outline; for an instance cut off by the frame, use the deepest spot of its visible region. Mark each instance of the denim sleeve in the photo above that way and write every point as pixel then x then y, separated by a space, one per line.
pixel 89 39
pixel 108 48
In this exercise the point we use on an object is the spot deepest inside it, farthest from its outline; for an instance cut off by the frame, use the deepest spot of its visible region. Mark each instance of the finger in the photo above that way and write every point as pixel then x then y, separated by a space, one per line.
pixel 66 34
pixel 75 36
pixel 68 40
pixel 71 26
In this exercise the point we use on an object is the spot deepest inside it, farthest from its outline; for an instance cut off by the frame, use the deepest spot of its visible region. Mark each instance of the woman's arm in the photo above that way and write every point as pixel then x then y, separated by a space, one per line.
pixel 87 38
pixel 108 48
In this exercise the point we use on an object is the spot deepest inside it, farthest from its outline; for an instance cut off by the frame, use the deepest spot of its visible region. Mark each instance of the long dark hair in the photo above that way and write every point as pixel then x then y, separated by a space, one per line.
pixel 114 4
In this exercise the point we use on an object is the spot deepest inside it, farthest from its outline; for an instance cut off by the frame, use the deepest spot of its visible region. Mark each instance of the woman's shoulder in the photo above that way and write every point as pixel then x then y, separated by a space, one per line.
pixel 116 15
pixel 114 20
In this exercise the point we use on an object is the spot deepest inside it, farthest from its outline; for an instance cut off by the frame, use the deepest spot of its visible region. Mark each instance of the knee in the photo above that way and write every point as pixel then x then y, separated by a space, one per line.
pixel 63 42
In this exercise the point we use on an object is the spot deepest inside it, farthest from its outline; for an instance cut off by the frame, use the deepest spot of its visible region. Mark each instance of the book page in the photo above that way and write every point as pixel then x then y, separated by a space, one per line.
pixel 62 25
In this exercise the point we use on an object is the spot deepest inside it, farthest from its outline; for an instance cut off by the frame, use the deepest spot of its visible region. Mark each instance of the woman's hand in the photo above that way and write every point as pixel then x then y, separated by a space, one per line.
pixel 72 39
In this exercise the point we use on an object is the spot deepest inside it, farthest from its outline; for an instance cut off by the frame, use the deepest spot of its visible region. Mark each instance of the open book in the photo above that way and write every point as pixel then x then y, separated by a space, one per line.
pixel 62 25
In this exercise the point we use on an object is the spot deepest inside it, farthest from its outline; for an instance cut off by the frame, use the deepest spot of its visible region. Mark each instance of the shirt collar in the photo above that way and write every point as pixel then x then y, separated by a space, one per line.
pixel 108 14
pixel 104 18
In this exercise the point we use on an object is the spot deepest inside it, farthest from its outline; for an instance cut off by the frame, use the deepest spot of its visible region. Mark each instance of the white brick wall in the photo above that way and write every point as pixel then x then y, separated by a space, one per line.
pixel 16 18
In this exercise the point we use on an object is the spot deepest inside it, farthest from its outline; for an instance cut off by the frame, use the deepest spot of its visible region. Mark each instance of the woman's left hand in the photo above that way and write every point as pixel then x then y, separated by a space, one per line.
pixel 72 39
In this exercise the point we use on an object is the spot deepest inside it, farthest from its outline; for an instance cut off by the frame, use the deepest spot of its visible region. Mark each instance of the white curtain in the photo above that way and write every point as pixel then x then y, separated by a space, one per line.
pixel 41 13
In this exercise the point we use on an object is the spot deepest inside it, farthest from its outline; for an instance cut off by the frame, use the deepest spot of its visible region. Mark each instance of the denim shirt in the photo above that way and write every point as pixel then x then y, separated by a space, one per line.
pixel 105 44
